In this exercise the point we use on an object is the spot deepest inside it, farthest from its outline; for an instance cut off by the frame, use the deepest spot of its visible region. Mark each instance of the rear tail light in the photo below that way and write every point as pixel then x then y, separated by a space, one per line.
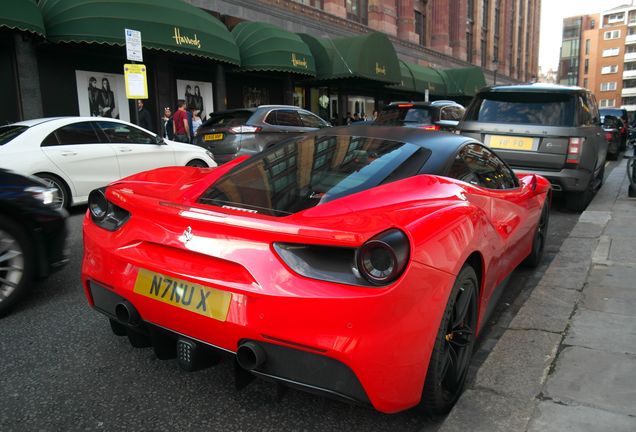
pixel 246 129
pixel 574 150
pixel 382 259
pixel 104 213
pixel 406 105
pixel 609 136
pixel 430 127
pixel 623 130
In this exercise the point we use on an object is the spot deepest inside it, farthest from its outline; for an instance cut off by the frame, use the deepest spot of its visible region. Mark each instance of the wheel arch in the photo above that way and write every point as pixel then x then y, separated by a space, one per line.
pixel 70 187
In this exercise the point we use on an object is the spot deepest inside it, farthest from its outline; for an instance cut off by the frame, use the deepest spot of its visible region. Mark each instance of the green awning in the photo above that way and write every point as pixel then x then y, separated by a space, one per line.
pixel 370 56
pixel 168 25
pixel 265 47
pixel 22 15
pixel 417 78
pixel 465 81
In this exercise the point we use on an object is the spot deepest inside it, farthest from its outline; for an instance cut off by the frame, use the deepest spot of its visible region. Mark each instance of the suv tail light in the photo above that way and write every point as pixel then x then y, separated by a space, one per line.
pixel 430 127
pixel 574 150
pixel 245 129
pixel 609 136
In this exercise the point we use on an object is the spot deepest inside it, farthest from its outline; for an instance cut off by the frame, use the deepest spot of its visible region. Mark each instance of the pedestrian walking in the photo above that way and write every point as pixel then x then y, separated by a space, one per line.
pixel 167 130
pixel 144 116
pixel 196 122
pixel 180 124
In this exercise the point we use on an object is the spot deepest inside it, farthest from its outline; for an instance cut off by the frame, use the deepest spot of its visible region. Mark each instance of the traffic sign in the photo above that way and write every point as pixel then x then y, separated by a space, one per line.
pixel 133 45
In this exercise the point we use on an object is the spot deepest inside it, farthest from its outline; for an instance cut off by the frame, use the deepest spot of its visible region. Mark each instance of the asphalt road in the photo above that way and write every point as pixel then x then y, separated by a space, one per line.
pixel 61 368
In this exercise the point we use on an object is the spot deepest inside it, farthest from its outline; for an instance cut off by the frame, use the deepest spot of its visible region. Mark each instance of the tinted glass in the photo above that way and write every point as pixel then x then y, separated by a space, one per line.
pixel 284 118
pixel 547 109
pixel 7 133
pixel 76 133
pixel 228 119
pixel 396 115
pixel 477 165
pixel 310 120
pixel 309 171
pixel 121 133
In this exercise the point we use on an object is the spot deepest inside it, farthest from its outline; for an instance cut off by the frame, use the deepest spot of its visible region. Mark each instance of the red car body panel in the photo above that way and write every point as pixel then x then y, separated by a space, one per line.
pixel 384 334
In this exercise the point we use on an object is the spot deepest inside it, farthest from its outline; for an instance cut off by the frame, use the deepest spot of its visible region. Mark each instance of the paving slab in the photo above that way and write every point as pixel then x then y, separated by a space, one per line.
pixel 593 378
pixel 479 410
pixel 603 331
pixel 552 417
pixel 610 298
pixel 548 308
pixel 519 363
pixel 569 275
pixel 623 249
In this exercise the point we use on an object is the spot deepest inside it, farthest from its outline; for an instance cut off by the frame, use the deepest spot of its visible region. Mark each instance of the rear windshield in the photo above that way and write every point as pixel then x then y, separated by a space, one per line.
pixel 398 115
pixel 309 171
pixel 547 109
pixel 7 133
pixel 228 119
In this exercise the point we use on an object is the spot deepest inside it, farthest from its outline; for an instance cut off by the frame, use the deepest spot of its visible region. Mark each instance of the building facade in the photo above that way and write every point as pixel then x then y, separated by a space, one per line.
pixel 599 52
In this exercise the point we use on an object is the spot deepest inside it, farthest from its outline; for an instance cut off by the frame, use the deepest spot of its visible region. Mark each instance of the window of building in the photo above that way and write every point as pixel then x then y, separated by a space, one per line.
pixel 357 10
pixel 608 86
pixel 607 103
pixel 629 66
pixel 585 82
pixel 587 47
pixel 420 26
pixel 485 12
pixel 611 52
pixel 629 83
pixel 495 45
pixel 614 18
pixel 631 31
pixel 629 100
pixel 609 69
pixel 313 3
pixel 586 68
pixel 612 34
pixel 484 55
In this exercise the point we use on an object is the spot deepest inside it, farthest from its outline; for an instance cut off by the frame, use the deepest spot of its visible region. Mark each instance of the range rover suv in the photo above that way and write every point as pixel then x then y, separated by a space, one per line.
pixel 551 130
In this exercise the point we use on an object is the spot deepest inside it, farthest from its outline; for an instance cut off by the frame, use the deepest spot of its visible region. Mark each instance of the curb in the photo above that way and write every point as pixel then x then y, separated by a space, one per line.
pixel 509 385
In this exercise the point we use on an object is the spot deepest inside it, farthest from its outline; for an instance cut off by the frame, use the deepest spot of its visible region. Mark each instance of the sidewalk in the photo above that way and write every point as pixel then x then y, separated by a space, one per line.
pixel 568 359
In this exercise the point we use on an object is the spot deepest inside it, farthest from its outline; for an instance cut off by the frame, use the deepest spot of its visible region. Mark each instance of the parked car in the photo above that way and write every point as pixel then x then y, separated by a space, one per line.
pixel 438 115
pixel 612 127
pixel 32 235
pixel 231 133
pixel 551 130
pixel 78 154
pixel 389 244
pixel 623 115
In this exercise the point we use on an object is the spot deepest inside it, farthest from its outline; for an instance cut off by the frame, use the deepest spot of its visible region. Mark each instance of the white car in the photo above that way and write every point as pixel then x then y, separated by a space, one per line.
pixel 78 154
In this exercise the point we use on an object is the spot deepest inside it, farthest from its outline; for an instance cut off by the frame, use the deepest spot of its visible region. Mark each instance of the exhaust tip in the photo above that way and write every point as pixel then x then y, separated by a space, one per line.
pixel 250 356
pixel 126 313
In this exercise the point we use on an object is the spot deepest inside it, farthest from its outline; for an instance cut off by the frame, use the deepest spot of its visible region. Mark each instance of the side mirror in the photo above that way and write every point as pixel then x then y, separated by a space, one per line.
pixel 159 140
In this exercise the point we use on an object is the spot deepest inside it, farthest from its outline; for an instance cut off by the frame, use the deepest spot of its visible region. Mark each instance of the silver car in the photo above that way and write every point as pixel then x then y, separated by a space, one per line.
pixel 551 130
pixel 231 133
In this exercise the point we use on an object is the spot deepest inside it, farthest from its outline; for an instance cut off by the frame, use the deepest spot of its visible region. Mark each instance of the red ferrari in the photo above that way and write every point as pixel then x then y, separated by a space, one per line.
pixel 357 262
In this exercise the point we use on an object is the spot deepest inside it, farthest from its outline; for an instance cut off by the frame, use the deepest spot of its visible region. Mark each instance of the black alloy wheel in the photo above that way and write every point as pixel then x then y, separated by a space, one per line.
pixel 453 348
pixel 538 244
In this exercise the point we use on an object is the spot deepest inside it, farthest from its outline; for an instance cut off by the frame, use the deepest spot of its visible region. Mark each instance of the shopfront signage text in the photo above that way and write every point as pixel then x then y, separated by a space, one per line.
pixel 298 62
pixel 185 40
pixel 380 70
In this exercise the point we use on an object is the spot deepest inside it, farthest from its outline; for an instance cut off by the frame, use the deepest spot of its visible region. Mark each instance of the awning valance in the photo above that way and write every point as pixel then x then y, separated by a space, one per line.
pixel 22 15
pixel 464 81
pixel 370 56
pixel 265 47
pixel 417 78
pixel 169 25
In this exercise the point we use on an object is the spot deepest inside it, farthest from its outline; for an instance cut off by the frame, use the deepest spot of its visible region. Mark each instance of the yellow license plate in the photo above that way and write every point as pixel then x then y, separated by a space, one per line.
pixel 186 295
pixel 213 137
pixel 511 142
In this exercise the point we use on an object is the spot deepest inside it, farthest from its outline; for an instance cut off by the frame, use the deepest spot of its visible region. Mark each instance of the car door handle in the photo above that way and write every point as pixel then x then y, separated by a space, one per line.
pixel 68 153
pixel 125 150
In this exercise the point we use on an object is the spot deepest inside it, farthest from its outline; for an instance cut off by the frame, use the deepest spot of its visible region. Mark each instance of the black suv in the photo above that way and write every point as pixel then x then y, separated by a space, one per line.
pixel 621 113
pixel 32 234
pixel 438 115
pixel 231 133
pixel 551 130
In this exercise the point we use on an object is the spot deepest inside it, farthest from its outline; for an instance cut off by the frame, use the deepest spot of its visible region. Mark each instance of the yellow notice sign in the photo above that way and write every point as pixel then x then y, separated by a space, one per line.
pixel 136 83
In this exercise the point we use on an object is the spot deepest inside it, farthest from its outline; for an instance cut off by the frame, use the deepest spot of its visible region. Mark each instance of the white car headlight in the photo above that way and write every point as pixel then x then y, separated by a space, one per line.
pixel 46 195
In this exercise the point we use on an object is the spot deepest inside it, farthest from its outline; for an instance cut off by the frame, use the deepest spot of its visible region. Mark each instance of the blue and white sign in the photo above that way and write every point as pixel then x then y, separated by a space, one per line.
pixel 133 45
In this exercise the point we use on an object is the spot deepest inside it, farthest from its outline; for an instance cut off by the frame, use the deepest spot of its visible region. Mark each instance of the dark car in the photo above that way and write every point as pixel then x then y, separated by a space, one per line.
pixel 551 130
pixel 32 235
pixel 231 133
pixel 621 113
pixel 438 115
pixel 612 127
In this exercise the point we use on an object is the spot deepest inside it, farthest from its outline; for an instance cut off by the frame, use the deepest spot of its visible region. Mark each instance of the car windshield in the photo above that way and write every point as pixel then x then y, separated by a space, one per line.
pixel 310 170
pixel 396 115
pixel 228 119
pixel 7 133
pixel 547 109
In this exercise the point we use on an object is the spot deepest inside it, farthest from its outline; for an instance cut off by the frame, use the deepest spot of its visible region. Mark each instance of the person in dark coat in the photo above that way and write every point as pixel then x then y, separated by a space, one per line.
pixel 144 116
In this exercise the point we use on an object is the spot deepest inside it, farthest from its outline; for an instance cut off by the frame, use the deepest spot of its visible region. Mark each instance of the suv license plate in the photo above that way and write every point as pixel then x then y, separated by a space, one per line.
pixel 510 142
pixel 213 137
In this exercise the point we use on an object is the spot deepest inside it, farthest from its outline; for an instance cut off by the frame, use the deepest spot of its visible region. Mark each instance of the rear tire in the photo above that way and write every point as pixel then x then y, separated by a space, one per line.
pixel 16 263
pixel 578 201
pixel 453 347
pixel 538 244
pixel 53 181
